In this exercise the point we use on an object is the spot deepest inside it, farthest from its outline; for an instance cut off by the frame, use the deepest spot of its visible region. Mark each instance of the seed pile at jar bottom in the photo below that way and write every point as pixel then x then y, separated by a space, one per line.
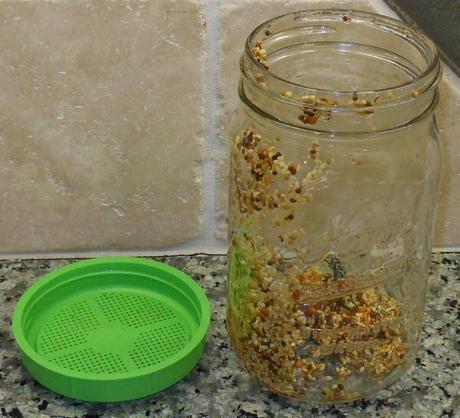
pixel 300 328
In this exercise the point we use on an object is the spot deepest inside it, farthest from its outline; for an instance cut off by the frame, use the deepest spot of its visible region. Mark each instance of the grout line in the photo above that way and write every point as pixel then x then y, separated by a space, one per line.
pixel 112 253
pixel 212 146
pixel 152 253
pixel 207 242
pixel 448 249
pixel 211 14
pixel 384 9
pixel 211 130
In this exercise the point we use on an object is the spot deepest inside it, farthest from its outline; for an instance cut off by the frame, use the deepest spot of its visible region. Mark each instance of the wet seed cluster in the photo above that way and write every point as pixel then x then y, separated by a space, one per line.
pixel 260 54
pixel 287 333
pixel 264 167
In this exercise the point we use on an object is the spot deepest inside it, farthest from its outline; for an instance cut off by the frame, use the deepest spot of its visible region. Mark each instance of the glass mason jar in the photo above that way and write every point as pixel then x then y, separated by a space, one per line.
pixel 334 180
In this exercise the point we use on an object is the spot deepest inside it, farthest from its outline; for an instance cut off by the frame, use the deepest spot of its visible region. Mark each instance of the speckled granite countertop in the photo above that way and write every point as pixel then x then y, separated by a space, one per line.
pixel 219 387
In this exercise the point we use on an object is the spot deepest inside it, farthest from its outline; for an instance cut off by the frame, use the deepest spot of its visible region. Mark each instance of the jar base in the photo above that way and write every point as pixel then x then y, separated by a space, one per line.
pixel 319 395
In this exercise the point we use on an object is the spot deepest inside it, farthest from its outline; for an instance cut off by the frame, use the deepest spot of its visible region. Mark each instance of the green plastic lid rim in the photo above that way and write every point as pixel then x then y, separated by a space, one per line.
pixel 196 338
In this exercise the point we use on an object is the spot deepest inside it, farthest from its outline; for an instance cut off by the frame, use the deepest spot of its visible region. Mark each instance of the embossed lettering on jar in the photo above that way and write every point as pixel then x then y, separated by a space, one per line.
pixel 333 188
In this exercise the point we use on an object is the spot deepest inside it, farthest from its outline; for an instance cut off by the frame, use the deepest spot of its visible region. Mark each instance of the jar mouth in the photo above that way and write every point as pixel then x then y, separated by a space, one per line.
pixel 335 135
pixel 364 37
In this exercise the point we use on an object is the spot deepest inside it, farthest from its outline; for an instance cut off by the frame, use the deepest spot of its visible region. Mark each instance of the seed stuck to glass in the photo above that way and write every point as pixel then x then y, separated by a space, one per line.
pixel 289 340
pixel 260 54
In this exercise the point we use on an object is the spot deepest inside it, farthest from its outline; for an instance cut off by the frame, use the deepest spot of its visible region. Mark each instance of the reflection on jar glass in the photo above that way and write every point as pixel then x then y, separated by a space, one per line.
pixel 333 188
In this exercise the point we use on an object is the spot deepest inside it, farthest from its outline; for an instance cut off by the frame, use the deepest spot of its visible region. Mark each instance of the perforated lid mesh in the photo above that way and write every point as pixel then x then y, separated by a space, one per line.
pixel 112 332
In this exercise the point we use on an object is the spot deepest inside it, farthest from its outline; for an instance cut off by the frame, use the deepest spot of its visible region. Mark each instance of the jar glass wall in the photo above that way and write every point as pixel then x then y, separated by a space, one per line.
pixel 333 188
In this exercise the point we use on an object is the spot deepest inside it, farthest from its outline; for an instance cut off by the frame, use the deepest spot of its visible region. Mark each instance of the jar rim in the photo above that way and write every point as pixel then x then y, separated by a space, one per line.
pixel 426 80
pixel 334 135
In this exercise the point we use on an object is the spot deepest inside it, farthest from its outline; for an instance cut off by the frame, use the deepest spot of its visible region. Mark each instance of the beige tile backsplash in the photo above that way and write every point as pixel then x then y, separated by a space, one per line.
pixel 101 124
pixel 106 138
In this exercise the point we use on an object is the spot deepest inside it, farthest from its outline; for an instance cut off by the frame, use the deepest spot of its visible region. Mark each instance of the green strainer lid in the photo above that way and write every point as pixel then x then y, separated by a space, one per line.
pixel 111 329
